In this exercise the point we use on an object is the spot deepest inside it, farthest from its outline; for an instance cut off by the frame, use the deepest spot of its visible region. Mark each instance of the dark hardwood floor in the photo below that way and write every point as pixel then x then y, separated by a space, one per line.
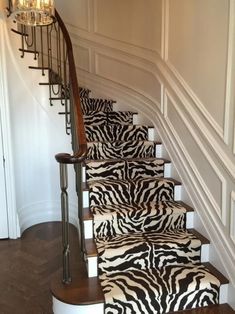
pixel 27 266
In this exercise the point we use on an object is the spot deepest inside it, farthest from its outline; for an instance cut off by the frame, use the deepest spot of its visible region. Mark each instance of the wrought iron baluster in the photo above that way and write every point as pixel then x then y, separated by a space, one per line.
pixel 34 36
pixel 65 223
pixel 42 51
pixel 22 40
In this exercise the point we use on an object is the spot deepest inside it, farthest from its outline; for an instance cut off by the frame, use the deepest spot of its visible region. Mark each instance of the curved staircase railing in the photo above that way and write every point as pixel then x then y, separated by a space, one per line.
pixel 79 145
pixel 52 48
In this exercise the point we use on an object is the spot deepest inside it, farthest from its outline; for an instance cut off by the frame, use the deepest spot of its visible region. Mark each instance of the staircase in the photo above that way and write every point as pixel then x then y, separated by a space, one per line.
pixel 137 232
pixel 139 243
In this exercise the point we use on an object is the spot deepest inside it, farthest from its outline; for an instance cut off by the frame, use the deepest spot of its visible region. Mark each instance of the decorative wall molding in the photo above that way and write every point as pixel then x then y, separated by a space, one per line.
pixel 82 50
pixel 157 68
pixel 147 73
pixel 232 217
pixel 97 32
pixel 188 104
pixel 202 109
pixel 224 254
pixel 223 132
pixel 165 29
pixel 221 207
pixel 229 72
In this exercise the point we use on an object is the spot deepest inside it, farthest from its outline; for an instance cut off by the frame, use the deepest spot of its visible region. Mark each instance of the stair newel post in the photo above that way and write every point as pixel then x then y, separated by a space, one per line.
pixel 65 222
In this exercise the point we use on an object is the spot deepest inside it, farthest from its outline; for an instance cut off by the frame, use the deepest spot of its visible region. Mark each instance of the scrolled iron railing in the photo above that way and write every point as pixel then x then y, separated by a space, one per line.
pixel 52 47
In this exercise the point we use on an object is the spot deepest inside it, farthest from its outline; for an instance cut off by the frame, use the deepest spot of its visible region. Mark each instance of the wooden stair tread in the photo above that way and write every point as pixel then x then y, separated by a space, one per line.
pixel 203 239
pixel 81 291
pixel 187 207
pixel 212 309
pixel 166 161
pixel 216 273
pixel 90 248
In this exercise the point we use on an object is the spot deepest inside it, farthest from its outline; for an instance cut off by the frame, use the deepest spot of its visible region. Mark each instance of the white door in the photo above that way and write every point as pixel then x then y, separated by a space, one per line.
pixel 3 199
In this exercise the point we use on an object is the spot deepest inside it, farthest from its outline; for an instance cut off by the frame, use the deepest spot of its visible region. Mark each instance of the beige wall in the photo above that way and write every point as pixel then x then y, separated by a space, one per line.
pixel 174 61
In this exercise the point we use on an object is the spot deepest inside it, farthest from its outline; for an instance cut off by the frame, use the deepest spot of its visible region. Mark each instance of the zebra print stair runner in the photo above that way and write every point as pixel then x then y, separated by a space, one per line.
pixel 147 261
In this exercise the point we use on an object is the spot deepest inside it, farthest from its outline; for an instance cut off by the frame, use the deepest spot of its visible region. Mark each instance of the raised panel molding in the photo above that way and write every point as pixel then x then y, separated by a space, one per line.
pixel 94 6
pixel 232 217
pixel 221 207
pixel 165 30
pixel 152 88
pixel 223 132
pixel 82 57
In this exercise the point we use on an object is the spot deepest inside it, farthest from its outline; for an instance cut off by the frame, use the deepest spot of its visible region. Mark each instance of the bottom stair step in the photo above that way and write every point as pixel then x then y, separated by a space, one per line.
pixel 164 290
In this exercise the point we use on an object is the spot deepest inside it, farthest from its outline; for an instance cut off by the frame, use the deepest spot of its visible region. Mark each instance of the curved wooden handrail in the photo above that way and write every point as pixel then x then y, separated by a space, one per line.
pixel 79 128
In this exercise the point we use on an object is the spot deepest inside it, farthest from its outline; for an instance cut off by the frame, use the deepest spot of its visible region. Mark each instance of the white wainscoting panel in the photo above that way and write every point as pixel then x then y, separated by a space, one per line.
pixel 209 177
pixel 82 57
pixel 200 63
pixel 133 76
pixel 75 12
pixel 130 21
pixel 232 217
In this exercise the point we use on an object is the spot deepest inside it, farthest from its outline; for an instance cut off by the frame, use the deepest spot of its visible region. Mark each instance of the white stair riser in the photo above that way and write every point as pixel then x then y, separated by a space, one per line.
pixel 151 134
pixel 92 266
pixel 205 251
pixel 190 220
pixel 88 229
pixel 167 170
pixel 223 294
pixel 158 150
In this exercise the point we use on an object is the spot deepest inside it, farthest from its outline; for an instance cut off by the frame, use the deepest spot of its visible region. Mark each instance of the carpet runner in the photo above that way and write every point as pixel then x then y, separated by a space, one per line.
pixel 148 262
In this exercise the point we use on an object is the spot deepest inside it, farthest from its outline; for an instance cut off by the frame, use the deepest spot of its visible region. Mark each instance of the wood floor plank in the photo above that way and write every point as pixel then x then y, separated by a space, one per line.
pixel 27 267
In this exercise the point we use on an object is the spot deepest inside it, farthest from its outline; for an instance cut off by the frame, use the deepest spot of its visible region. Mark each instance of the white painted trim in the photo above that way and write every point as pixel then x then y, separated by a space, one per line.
pixel 64 308
pixel 229 71
pixel 189 106
pixel 127 61
pixel 13 223
pixel 213 123
pixel 165 30
pixel 221 213
pixel 232 217
pixel 225 254
pixel 96 31
pixel 223 132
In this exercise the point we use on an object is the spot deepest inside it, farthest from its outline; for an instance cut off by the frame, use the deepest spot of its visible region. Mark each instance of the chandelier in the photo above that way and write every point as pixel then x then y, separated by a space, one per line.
pixel 33 12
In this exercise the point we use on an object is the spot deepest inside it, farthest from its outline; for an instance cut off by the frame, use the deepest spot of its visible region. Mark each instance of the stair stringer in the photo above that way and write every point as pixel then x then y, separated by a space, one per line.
pixel 221 247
